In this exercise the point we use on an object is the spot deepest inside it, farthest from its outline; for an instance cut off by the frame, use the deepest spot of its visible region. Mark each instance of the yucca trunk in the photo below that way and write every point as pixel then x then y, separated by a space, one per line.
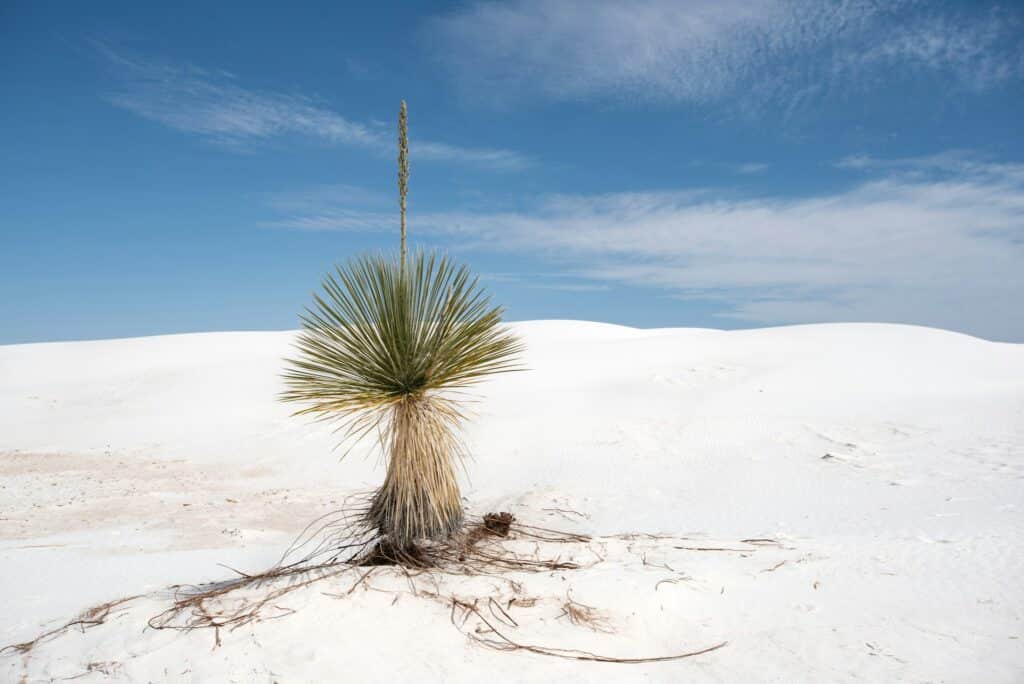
pixel 420 495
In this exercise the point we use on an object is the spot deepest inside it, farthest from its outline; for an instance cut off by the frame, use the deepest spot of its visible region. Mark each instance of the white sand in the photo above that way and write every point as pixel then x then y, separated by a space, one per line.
pixel 130 465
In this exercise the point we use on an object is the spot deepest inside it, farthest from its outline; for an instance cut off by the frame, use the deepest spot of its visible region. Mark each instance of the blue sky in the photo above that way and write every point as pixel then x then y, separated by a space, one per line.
pixel 653 163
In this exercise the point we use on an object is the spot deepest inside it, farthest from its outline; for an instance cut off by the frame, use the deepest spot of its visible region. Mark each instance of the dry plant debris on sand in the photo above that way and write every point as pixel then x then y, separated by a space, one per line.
pixel 495 547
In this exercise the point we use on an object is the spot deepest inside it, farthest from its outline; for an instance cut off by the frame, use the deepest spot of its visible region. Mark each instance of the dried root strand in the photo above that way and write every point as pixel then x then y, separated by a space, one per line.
pixel 92 617
pixel 502 642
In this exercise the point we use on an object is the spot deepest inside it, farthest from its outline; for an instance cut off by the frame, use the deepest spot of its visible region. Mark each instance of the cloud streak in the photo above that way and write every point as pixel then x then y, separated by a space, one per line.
pixel 213 105
pixel 935 241
pixel 705 51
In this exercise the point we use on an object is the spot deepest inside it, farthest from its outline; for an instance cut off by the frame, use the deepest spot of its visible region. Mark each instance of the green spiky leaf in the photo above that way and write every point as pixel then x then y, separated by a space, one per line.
pixel 375 336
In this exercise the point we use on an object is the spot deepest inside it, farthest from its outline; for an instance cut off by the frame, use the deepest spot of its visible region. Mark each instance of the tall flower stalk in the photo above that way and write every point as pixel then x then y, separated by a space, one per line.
pixel 384 347
pixel 403 170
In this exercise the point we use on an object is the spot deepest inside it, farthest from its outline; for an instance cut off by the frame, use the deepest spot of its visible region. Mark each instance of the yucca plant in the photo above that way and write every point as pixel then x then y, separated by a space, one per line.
pixel 383 351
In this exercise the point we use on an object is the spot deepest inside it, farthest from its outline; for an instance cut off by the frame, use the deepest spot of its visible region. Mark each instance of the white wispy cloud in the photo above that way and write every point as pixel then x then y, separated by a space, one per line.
pixel 332 207
pixel 981 51
pixel 493 158
pixel 703 51
pixel 936 240
pixel 319 197
pixel 571 287
pixel 546 281
pixel 964 162
pixel 751 167
pixel 213 104
pixel 338 218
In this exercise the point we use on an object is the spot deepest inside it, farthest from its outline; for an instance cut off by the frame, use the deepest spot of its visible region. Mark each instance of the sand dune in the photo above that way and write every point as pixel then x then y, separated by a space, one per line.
pixel 885 463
